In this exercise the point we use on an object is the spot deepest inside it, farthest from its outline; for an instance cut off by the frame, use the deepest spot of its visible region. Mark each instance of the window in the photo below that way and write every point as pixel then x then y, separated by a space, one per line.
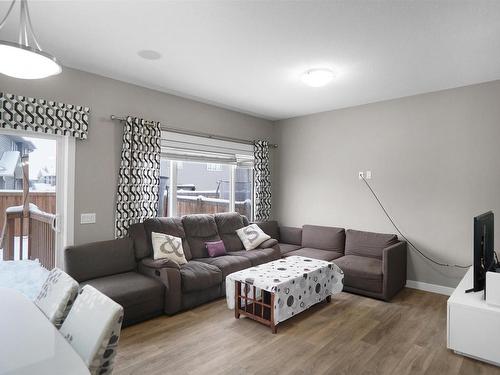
pixel 243 191
pixel 199 175
pixel 211 167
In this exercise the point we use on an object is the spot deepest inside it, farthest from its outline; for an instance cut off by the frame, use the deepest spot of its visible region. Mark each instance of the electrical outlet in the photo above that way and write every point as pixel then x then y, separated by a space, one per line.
pixel 361 175
pixel 87 218
pixel 368 175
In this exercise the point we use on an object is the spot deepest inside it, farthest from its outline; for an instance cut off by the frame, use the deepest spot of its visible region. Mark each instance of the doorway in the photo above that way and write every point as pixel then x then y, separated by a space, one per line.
pixel 36 192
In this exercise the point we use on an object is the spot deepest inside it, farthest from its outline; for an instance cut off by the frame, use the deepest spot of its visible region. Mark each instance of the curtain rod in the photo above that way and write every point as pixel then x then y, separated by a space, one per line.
pixel 197 134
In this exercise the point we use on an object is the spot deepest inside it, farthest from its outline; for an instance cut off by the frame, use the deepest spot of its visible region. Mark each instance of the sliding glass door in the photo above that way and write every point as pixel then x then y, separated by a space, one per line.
pixel 36 192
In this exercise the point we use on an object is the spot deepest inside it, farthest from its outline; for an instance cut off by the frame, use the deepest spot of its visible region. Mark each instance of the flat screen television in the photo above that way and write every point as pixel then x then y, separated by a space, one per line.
pixel 484 251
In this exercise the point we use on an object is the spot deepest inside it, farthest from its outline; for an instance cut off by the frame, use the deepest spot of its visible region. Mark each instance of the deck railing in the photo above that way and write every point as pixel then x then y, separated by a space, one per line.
pixel 44 200
pixel 38 225
pixel 41 239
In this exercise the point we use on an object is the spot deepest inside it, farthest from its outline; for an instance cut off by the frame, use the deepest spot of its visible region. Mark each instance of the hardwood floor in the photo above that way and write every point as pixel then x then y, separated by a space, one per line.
pixel 350 335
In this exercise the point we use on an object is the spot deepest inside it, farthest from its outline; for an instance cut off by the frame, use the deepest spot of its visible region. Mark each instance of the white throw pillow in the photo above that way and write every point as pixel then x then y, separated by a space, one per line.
pixel 57 295
pixel 166 246
pixel 252 236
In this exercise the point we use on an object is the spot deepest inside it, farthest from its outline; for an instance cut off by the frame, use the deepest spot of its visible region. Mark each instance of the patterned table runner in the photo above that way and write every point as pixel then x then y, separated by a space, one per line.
pixel 297 282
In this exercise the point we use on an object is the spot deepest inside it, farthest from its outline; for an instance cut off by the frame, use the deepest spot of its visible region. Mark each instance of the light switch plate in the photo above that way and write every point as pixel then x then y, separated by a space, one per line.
pixel 87 218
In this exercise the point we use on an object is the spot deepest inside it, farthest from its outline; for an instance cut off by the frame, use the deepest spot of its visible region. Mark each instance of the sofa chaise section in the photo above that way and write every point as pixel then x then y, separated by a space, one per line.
pixel 111 267
pixel 374 264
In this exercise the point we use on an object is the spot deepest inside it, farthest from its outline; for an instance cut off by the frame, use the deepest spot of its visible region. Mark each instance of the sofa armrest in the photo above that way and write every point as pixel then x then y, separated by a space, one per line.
pixel 268 243
pixel 168 272
pixel 159 263
pixel 394 269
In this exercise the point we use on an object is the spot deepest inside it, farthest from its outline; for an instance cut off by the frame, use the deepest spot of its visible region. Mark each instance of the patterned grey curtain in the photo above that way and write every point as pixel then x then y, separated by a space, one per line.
pixel 43 116
pixel 139 175
pixel 262 181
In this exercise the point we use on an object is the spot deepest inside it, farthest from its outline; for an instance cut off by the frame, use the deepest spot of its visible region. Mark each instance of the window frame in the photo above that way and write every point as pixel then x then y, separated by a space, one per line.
pixel 172 196
pixel 178 148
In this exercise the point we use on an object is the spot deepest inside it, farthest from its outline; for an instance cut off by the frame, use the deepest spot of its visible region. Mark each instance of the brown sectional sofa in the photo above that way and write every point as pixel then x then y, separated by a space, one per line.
pixel 125 270
pixel 374 264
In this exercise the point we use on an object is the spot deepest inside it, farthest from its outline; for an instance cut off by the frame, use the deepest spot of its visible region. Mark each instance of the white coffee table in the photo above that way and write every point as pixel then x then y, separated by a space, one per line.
pixel 274 292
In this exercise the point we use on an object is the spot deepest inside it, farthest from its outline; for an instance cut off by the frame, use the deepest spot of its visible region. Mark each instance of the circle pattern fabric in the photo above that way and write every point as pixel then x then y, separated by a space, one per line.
pixel 297 282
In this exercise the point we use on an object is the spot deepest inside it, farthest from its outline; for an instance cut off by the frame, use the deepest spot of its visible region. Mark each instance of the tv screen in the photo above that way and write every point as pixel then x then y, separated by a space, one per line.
pixel 484 253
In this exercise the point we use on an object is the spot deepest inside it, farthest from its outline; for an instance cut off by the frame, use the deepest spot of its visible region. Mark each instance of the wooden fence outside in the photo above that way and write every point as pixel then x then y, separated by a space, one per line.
pixel 200 204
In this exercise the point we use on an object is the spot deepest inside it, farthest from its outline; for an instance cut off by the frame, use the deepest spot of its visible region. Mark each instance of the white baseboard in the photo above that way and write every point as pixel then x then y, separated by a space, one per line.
pixel 440 289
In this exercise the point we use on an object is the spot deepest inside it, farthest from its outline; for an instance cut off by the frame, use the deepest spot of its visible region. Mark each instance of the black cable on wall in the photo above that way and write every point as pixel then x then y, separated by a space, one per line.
pixel 402 235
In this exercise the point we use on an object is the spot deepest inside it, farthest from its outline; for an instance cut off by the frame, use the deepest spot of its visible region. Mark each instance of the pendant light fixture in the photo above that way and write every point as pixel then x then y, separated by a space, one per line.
pixel 25 59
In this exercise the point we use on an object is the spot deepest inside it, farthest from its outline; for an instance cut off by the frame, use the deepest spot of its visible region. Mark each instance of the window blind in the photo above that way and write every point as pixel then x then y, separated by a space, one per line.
pixel 175 146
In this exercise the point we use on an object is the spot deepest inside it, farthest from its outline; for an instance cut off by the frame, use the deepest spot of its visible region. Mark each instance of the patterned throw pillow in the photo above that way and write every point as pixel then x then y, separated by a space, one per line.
pixel 252 236
pixel 166 246
pixel 93 328
pixel 56 296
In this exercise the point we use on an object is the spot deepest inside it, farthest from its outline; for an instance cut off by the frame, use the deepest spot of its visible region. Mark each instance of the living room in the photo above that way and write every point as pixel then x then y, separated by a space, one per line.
pixel 249 187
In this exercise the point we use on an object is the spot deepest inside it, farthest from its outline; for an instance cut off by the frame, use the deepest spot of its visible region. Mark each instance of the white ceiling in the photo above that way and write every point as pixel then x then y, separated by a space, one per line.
pixel 248 55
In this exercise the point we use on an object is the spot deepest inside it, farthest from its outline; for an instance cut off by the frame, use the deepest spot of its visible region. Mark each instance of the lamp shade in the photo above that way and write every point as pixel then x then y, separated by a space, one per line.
pixel 24 62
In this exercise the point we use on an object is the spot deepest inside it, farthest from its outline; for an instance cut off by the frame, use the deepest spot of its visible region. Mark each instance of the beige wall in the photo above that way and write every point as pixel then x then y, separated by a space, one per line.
pixel 435 161
pixel 434 158
pixel 97 159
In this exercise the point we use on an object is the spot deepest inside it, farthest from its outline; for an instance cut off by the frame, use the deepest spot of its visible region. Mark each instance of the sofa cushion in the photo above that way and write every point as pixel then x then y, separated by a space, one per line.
pixel 308 252
pixel 290 235
pixel 286 248
pixel 368 244
pixel 361 272
pixel 227 225
pixel 228 263
pixel 270 228
pixel 259 256
pixel 198 276
pixel 99 259
pixel 200 228
pixel 324 238
pixel 142 242
pixel 129 288
pixel 271 242
pixel 168 225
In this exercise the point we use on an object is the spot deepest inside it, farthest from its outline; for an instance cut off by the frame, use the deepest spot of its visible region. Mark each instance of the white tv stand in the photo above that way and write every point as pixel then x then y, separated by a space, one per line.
pixel 473 325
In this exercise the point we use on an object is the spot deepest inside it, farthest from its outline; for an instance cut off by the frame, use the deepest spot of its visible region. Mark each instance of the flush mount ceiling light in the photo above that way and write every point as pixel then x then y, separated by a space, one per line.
pixel 149 54
pixel 317 77
pixel 25 59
